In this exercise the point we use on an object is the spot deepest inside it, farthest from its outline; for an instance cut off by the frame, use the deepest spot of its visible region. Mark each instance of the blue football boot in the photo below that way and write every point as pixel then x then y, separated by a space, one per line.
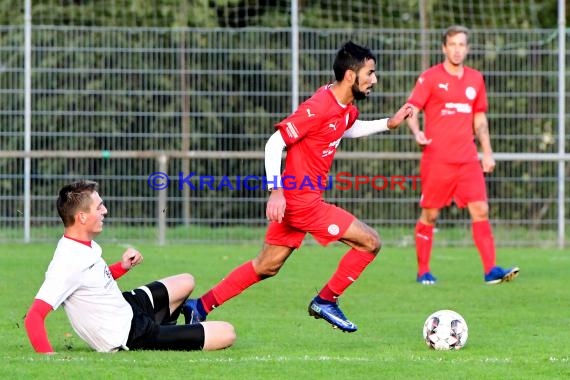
pixel 426 279
pixel 497 275
pixel 191 313
pixel 331 313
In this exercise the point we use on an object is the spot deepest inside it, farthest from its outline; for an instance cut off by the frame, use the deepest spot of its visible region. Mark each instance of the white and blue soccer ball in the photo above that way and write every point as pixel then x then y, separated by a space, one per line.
pixel 445 330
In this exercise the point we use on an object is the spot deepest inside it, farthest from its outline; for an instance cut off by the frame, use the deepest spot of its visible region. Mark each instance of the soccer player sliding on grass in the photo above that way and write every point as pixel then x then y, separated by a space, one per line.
pixel 295 207
pixel 454 100
pixel 79 279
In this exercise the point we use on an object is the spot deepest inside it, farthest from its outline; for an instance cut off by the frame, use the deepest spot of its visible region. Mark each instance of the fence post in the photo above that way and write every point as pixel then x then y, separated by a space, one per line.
pixel 161 211
pixel 561 126
pixel 27 119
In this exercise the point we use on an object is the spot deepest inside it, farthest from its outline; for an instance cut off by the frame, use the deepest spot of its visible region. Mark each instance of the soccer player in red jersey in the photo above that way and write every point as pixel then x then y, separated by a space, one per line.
pixel 296 207
pixel 454 102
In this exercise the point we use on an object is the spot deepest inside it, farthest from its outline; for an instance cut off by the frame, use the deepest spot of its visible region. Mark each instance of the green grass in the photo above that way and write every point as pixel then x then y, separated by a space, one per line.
pixel 448 235
pixel 516 330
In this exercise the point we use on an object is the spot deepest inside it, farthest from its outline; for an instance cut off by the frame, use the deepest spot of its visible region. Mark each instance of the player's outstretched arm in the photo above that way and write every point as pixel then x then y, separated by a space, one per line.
pixel 362 128
pixel 405 112
pixel 35 326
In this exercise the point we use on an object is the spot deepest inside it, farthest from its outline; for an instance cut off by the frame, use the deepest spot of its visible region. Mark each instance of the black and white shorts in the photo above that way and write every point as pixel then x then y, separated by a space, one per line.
pixel 152 323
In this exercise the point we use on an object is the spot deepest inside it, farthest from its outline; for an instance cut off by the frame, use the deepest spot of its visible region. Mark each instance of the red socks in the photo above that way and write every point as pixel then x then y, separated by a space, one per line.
pixel 236 282
pixel 349 269
pixel 485 242
pixel 424 240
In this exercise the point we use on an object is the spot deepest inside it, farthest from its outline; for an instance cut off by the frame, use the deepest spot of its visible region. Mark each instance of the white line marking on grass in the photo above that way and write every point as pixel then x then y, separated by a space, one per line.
pixel 453 358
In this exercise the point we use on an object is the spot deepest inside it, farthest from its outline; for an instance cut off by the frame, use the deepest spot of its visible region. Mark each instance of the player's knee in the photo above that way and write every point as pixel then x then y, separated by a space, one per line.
pixel 479 210
pixel 218 335
pixel 186 280
pixel 228 334
pixel 266 269
pixel 374 244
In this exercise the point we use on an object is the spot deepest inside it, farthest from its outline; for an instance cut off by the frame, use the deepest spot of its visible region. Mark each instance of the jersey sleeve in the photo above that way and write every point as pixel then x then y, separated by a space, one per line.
pixel 117 270
pixel 480 104
pixel 296 126
pixel 420 92
pixel 35 326
pixel 59 284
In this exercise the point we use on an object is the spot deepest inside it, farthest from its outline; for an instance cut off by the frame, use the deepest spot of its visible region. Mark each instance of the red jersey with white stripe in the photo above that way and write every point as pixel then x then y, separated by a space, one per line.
pixel 449 103
pixel 312 134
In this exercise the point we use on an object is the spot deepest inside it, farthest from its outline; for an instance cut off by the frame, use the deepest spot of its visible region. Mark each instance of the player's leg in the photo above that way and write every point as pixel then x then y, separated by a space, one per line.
pixel 473 193
pixel 331 224
pixel 205 336
pixel 424 242
pixel 162 300
pixel 179 287
pixel 151 326
pixel 438 185
pixel 281 240
pixel 482 233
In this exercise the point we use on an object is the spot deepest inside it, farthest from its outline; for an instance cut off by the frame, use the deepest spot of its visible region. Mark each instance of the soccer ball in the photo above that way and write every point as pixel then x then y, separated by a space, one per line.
pixel 445 330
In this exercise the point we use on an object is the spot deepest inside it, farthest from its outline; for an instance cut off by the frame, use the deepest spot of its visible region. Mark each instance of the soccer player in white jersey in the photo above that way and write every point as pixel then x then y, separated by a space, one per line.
pixel 108 320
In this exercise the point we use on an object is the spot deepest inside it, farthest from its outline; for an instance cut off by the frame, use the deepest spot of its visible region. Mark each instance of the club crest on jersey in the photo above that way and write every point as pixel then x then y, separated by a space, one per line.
pixel 470 92
pixel 333 229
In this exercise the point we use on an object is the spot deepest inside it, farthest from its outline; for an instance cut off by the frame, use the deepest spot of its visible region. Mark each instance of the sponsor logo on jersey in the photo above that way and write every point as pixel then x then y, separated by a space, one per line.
pixel 422 236
pixel 331 148
pixel 309 114
pixel 443 86
pixel 453 108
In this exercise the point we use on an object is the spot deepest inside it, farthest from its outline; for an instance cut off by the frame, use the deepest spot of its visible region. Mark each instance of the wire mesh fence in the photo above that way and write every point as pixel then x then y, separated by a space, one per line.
pixel 118 99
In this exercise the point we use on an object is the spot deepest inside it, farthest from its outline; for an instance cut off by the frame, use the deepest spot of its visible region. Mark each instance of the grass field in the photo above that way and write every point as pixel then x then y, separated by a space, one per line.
pixel 516 330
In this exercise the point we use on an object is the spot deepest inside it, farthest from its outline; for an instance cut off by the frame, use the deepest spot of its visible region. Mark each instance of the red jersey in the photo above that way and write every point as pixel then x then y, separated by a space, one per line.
pixel 449 103
pixel 312 134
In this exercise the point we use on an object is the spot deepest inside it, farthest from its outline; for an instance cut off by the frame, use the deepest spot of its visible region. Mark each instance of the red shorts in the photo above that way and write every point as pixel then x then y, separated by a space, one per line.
pixel 443 183
pixel 326 222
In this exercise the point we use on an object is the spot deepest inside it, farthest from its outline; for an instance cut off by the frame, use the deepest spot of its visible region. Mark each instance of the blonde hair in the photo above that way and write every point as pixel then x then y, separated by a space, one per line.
pixel 452 31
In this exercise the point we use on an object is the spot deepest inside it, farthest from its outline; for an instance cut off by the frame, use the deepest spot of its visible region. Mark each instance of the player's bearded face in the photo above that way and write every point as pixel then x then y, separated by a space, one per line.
pixel 356 92
pixel 364 80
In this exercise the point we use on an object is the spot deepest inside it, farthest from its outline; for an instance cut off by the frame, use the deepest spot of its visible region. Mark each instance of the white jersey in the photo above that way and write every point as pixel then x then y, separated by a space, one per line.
pixel 79 279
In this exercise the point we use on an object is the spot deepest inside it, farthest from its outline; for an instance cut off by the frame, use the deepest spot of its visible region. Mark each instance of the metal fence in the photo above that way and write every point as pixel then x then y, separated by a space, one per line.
pixel 118 104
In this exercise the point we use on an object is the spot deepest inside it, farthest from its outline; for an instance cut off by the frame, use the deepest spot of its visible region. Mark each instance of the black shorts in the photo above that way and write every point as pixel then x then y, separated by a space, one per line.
pixel 153 327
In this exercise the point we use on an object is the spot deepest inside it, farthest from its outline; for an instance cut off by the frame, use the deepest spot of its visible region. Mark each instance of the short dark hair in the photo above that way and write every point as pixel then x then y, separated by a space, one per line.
pixel 452 31
pixel 351 57
pixel 74 197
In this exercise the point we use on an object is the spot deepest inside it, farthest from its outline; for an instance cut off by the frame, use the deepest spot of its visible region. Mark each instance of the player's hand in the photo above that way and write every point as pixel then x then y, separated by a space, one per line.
pixel 403 113
pixel 488 163
pixel 276 206
pixel 131 257
pixel 421 139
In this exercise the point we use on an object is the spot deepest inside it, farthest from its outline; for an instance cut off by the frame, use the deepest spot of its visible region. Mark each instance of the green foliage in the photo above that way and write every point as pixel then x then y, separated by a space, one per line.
pixel 515 329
